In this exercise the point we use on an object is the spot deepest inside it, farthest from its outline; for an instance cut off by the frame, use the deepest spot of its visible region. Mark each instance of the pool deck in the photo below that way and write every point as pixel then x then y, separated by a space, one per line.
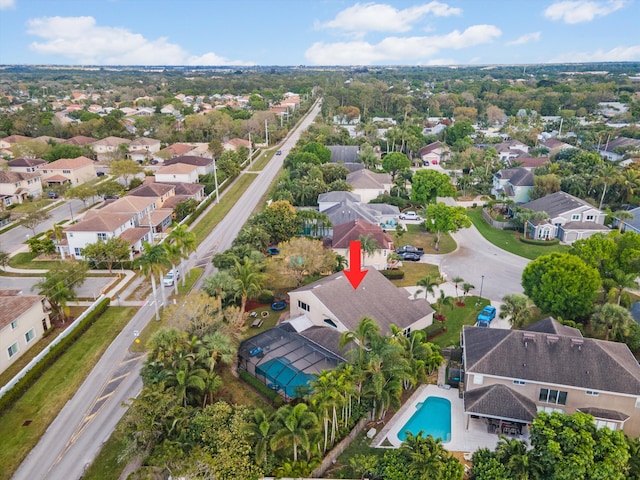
pixel 462 440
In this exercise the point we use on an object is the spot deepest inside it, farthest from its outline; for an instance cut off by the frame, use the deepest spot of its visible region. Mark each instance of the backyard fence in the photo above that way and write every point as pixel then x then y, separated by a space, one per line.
pixel 336 451
pixel 495 223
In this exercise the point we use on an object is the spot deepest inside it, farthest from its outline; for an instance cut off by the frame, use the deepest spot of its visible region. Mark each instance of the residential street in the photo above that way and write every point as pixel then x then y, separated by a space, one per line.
pixel 75 437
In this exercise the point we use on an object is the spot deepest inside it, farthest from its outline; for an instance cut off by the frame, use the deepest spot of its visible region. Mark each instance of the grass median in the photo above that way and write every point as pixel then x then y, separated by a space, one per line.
pixel 22 425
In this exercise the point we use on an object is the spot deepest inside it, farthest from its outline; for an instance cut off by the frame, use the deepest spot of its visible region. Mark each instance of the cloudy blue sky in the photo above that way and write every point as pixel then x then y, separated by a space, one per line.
pixel 317 32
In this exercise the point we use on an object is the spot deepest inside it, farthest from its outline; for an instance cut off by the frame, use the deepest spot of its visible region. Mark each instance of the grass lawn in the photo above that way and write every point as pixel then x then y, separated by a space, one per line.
pixel 27 260
pixel 456 318
pixel 207 223
pixel 359 446
pixel 29 207
pixel 417 236
pixel 508 240
pixel 414 271
pixel 44 400
pixel 106 465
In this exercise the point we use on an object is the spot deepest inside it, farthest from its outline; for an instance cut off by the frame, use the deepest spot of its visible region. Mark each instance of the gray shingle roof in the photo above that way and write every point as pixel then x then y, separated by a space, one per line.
pixel 635 222
pixel 344 153
pixel 338 197
pixel 368 179
pixel 556 359
pixel 552 326
pixel 604 413
pixel 346 211
pixel 556 204
pixel 500 401
pixel 584 226
pixel 519 177
pixel 376 297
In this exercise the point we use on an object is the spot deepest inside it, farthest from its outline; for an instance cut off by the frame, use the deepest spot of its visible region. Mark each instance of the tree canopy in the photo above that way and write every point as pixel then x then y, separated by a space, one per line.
pixel 429 184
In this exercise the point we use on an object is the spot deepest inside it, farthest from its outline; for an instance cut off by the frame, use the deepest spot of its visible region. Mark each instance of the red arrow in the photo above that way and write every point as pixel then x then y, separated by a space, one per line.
pixel 355 274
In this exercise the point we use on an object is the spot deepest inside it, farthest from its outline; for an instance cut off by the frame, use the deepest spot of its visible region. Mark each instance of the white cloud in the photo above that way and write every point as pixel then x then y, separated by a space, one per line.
pixel 617 54
pixel 398 50
pixel 82 40
pixel 578 11
pixel 380 17
pixel 526 38
pixel 4 4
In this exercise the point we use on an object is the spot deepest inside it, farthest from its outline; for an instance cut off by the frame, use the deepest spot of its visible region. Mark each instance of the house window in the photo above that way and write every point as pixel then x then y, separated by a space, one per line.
pixel 304 306
pixel 613 426
pixel 549 409
pixel 30 335
pixel 575 216
pixel 330 322
pixel 102 236
pixel 519 382
pixel 77 251
pixel 7 201
pixel 66 171
pixel 478 379
pixel 13 349
pixel 593 393
pixel 552 396
pixel 590 218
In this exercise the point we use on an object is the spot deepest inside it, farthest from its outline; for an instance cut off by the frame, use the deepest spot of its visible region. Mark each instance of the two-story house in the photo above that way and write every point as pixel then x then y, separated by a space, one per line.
pixel 204 165
pixel 16 187
pixel 94 226
pixel 68 170
pixel 158 191
pixel 569 218
pixel 143 148
pixel 345 233
pixel 177 173
pixel 514 184
pixel 25 165
pixel 343 207
pixel 434 153
pixel 368 184
pixel 511 375
pixel 23 321
pixel 109 148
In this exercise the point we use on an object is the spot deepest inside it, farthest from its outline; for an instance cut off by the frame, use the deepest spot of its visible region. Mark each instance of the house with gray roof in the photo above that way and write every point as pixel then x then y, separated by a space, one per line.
pixel 510 375
pixel 344 153
pixel 569 218
pixel 633 224
pixel 368 184
pixel 329 199
pixel 332 302
pixel 382 214
pixel 514 184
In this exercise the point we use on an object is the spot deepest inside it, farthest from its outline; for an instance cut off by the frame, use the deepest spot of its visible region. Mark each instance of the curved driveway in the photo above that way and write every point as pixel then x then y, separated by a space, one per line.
pixel 476 258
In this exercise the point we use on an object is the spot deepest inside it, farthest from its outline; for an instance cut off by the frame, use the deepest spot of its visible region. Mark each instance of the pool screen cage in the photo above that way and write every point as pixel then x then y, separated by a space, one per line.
pixel 284 360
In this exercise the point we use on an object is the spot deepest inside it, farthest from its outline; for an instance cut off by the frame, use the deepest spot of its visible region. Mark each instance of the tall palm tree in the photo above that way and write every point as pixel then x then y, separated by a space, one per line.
pixel 467 287
pixel 295 424
pixel 513 454
pixel 58 296
pixel 429 283
pixel 152 262
pixel 629 183
pixel 186 242
pixel 613 320
pixel 326 398
pixel 175 256
pixel 609 175
pixel 445 299
pixel 215 348
pixel 624 280
pixel 259 430
pixel 187 382
pixel 249 281
pixel 621 216
pixel 426 454
pixel 518 308
pixel 456 281
pixel 366 330
pixel 368 246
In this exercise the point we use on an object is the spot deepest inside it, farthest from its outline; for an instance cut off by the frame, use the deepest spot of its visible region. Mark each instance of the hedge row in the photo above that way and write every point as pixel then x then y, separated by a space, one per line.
pixel 435 329
pixel 13 395
pixel 544 243
pixel 261 387
pixel 393 274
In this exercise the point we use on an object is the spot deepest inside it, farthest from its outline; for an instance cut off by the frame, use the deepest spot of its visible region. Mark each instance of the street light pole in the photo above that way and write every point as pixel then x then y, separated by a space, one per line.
pixel 71 211
pixel 481 285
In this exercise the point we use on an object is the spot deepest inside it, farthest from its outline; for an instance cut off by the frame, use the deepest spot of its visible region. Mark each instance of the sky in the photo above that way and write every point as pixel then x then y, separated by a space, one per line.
pixel 317 32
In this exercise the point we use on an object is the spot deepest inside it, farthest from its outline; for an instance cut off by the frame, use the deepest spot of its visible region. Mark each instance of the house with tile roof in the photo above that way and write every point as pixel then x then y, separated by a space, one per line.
pixel 159 191
pixel 143 148
pixel 333 303
pixel 514 184
pixel 23 321
pixel 7 142
pixel 174 150
pixel 368 184
pixel 434 153
pixel 511 375
pixel 177 173
pixel 17 187
pixel 235 144
pixel 109 148
pixel 80 140
pixel 204 165
pixel 345 233
pixel 526 161
pixel 25 165
pixel 94 226
pixel 569 218
pixel 68 170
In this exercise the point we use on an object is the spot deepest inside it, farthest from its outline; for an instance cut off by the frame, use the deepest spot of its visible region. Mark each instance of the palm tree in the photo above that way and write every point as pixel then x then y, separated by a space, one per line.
pixel 152 262
pixel 467 287
pixel 609 175
pixel 175 256
pixel 513 454
pixel 367 329
pixel 518 308
pixel 249 281
pixel 456 281
pixel 629 183
pixel 341 263
pixel 614 320
pixel 260 430
pixel 426 454
pixel 212 383
pixel 621 216
pixel 428 283
pixel 295 424
pixel 326 398
pixel 58 295
pixel 445 300
pixel 220 285
pixel 187 382
pixel 186 241
pixel 368 246
pixel 624 280
pixel 215 348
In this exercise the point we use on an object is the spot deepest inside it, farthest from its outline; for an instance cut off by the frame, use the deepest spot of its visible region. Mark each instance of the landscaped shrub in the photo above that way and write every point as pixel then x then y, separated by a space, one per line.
pixel 393 274
pixel 259 386
pixel 435 329
pixel 13 395
pixel 266 297
pixel 544 243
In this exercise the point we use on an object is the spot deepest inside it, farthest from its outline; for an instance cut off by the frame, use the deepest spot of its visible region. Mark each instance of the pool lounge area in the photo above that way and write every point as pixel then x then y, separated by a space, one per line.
pixel 460 440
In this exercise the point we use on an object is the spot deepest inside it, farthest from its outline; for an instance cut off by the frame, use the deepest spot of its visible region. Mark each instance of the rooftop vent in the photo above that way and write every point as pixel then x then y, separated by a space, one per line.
pixel 578 342
pixel 552 338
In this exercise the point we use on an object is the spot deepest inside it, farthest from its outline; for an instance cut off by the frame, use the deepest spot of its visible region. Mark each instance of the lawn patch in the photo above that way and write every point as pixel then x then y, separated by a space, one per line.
pixel 456 318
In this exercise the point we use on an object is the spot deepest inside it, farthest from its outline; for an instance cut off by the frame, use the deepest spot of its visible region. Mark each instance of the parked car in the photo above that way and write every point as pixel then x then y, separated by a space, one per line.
pixel 410 256
pixel 170 277
pixel 410 249
pixel 100 174
pixel 52 194
pixel 487 314
pixel 410 216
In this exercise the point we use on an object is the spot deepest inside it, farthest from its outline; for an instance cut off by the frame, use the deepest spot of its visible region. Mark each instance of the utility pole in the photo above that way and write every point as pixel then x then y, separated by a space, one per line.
pixel 250 151
pixel 215 178
pixel 266 132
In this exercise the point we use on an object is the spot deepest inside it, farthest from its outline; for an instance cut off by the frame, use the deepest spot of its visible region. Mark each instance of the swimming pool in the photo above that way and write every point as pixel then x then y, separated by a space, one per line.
pixel 282 375
pixel 433 417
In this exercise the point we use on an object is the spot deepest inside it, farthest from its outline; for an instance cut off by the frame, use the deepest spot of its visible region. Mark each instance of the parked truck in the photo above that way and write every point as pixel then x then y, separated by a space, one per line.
pixel 487 314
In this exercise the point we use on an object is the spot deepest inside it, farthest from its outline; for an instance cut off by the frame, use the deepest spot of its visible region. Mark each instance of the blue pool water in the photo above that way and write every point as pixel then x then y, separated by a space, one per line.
pixel 433 417
pixel 282 375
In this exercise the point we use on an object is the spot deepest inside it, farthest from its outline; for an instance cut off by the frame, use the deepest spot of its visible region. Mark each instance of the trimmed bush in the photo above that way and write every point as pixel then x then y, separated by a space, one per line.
pixel 434 330
pixel 543 243
pixel 393 274
pixel 266 297
pixel 13 395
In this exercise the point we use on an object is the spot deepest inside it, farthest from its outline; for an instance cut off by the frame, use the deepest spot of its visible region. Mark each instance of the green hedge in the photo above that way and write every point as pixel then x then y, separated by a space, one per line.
pixel 393 274
pixel 266 297
pixel 13 395
pixel 435 329
pixel 542 243
pixel 261 387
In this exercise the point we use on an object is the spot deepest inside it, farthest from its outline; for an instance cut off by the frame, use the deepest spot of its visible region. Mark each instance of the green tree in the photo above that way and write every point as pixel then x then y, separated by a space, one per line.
pixel 110 189
pixel 125 168
pixel 58 286
pixel 175 256
pixel 153 262
pixel 294 426
pixel 319 150
pixel 32 219
pixel 445 219
pixel 561 284
pixel 110 251
pixel 428 283
pixel 429 184
pixel 83 192
pixel 279 220
pixel 185 208
pixel 185 240
pixel 457 132
pixel 394 162
pixel 63 150
pixel 615 321
pixel 517 308
pixel 249 281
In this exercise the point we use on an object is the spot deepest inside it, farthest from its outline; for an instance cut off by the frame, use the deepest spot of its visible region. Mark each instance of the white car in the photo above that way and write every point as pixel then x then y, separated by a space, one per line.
pixel 170 277
pixel 409 216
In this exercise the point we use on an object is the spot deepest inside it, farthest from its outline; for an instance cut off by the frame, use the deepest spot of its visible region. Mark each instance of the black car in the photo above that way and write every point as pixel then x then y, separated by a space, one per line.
pixel 410 256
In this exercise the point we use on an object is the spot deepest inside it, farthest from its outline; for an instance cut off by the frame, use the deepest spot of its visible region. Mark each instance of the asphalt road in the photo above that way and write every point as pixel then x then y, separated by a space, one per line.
pixel 75 437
